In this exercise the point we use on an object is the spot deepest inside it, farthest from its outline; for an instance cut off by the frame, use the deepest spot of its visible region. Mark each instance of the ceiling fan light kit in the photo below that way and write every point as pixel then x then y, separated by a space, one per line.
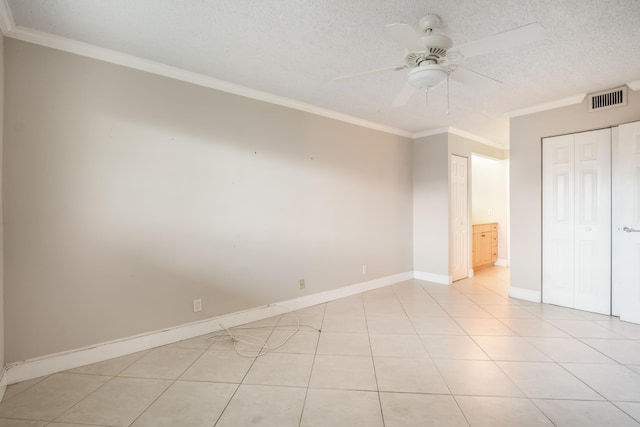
pixel 427 76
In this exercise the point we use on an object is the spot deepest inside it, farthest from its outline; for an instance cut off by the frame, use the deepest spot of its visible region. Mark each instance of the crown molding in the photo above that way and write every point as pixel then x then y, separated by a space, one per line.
pixel 634 85
pixel 571 100
pixel 131 61
pixel 6 18
pixel 459 132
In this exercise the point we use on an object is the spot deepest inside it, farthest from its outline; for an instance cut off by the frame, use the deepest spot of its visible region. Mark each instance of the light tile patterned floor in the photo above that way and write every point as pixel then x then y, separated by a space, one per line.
pixel 412 354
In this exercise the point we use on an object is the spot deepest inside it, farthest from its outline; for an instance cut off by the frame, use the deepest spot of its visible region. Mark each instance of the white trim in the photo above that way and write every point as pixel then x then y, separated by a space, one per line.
pixel 459 132
pixel 58 362
pixel 571 100
pixel 431 132
pixel 3 382
pixel 126 60
pixel 477 138
pixel 432 277
pixel 501 262
pixel 6 18
pixel 524 294
pixel 634 85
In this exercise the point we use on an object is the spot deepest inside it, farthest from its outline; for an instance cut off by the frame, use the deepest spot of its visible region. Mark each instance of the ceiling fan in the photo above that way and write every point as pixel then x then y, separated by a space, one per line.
pixel 431 58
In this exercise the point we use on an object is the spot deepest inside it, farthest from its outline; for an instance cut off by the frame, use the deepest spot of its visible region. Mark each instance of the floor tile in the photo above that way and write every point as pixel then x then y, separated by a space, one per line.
pixel 383 309
pixel 510 348
pixel 533 328
pixel 508 311
pixel 476 377
pixel 51 397
pixel 265 406
pixel 411 375
pixel 249 341
pixel 341 408
pixel 435 325
pixel 614 382
pixel 5 422
pixel 202 342
pixel 626 352
pixel 15 389
pixel 219 365
pixel 118 403
pixel 453 347
pixel 339 308
pixel 54 424
pixel 189 404
pixel 110 367
pixel 343 372
pixel 420 311
pixel 397 345
pixel 390 324
pixel 482 326
pixel 501 412
pixel 344 323
pixel 281 369
pixel 163 363
pixel 420 410
pixel 584 329
pixel 568 350
pixel 309 318
pixel 569 413
pixel 467 310
pixel 344 343
pixel 630 408
pixel 547 381
pixel 302 342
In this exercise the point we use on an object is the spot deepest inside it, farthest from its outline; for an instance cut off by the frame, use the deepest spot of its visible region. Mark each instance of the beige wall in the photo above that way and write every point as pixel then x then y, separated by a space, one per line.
pixel 526 133
pixel 431 156
pixel 127 195
pixel 431 205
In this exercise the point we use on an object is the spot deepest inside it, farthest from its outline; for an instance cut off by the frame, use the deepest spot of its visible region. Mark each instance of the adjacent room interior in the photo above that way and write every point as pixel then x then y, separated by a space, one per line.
pixel 172 173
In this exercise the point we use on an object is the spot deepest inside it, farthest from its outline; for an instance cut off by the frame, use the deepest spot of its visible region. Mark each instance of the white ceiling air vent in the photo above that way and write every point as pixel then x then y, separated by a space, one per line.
pixel 608 99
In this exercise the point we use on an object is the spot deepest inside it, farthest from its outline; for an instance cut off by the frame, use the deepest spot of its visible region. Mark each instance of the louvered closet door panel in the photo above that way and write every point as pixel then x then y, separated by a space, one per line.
pixel 592 261
pixel 558 220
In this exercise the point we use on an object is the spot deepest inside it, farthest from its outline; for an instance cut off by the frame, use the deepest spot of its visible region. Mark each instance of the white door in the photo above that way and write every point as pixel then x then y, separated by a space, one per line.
pixel 577 221
pixel 459 218
pixel 626 253
pixel 558 229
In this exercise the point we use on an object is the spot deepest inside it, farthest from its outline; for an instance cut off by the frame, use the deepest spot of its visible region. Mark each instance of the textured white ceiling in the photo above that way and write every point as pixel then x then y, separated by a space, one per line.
pixel 295 48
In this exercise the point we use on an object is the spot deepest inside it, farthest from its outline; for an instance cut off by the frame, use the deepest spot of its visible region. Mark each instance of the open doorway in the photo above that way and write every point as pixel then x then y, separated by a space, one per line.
pixel 489 211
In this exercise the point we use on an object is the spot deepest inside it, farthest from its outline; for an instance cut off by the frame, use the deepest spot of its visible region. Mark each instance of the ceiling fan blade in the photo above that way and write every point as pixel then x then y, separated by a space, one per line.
pixel 470 77
pixel 377 70
pixel 406 35
pixel 518 36
pixel 404 95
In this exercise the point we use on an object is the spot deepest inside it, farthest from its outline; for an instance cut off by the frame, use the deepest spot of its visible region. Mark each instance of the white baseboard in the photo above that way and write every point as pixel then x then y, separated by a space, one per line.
pixel 432 277
pixel 501 262
pixel 46 365
pixel 525 294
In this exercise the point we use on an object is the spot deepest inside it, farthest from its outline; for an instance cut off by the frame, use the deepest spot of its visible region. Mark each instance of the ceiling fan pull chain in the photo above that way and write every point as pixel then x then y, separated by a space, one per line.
pixel 447 94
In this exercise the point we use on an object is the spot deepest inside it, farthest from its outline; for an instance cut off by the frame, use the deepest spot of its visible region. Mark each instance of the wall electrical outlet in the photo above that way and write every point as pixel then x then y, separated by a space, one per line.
pixel 364 268
pixel 197 305
pixel 302 284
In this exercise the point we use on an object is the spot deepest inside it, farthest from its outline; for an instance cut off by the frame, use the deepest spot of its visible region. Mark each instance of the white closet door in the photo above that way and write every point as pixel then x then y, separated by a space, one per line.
pixel 577 221
pixel 459 218
pixel 593 221
pixel 558 220
pixel 627 208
